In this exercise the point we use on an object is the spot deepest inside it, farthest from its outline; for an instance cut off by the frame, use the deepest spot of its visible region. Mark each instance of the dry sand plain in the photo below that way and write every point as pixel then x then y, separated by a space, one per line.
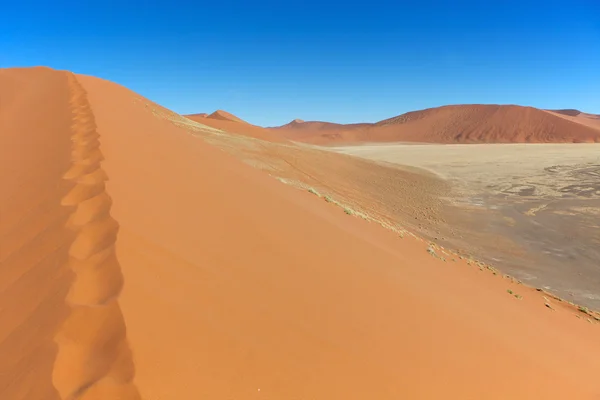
pixel 531 209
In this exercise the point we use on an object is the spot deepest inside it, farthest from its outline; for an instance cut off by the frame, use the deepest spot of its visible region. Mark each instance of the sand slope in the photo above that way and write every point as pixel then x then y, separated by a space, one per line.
pixel 235 285
pixel 34 279
pixel 275 290
pixel 63 332
pixel 453 124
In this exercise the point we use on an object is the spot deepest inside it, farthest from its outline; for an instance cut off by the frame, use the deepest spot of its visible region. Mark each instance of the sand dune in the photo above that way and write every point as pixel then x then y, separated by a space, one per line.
pixel 197 116
pixel 568 111
pixel 225 116
pixel 233 284
pixel 589 120
pixel 230 123
pixel 454 124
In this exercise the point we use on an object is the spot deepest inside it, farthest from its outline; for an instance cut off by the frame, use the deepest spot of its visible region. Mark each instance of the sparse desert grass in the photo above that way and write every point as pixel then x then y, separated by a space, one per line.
pixel 431 249
pixel 584 310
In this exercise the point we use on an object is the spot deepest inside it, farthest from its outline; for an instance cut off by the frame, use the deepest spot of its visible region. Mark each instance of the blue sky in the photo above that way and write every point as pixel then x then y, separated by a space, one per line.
pixel 272 61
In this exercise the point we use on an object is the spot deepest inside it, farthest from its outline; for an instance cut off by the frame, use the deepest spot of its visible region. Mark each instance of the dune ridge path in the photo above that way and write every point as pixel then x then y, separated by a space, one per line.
pixel 94 359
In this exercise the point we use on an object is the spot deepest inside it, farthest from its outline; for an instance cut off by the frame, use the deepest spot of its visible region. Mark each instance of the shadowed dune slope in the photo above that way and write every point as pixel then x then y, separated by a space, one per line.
pixel 237 286
pixel 34 278
pixel 453 124
pixel 62 334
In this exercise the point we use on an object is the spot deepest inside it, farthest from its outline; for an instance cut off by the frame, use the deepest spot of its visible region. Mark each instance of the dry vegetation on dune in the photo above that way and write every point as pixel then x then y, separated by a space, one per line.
pixel 454 124
pixel 174 270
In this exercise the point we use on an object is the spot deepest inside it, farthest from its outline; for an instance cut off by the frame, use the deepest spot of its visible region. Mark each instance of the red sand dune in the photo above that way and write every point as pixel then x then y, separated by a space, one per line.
pixel 453 124
pixel 590 120
pixel 199 116
pixel 568 111
pixel 230 123
pixel 225 116
pixel 235 285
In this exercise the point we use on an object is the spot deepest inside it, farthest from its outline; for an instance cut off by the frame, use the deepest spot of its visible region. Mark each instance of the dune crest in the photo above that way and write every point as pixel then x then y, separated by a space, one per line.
pixel 93 360
pixel 225 116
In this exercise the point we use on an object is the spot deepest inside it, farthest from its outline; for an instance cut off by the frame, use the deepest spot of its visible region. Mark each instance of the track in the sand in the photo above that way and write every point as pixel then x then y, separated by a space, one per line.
pixel 94 360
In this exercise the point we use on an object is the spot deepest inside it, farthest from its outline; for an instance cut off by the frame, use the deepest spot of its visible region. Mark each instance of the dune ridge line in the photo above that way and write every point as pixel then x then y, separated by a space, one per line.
pixel 94 360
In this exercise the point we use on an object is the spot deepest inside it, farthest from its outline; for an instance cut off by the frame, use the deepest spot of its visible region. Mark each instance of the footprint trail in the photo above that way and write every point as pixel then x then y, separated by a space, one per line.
pixel 94 360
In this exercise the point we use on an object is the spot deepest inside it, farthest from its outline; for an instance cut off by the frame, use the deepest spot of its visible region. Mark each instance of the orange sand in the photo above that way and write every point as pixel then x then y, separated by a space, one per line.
pixel 455 124
pixel 235 285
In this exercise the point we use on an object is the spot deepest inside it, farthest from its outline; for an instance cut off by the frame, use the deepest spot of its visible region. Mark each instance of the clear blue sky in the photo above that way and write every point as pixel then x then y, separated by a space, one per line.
pixel 272 61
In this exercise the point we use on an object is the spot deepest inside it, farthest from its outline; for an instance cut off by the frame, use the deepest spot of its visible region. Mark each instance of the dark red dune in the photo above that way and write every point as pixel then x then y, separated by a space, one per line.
pixel 455 124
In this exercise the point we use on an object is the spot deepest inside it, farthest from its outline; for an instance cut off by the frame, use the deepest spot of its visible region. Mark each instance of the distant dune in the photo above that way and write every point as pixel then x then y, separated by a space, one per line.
pixel 140 262
pixel 230 123
pixel 455 124
pixel 570 112
pixel 225 116
pixel 589 120
pixel 197 116
pixel 218 115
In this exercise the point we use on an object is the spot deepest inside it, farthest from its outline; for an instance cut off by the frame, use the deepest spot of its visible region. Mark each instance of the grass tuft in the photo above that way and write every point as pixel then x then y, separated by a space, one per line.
pixel 583 309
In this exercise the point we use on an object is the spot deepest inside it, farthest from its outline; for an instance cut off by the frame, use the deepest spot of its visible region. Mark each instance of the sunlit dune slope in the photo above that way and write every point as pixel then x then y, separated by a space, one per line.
pixel 238 286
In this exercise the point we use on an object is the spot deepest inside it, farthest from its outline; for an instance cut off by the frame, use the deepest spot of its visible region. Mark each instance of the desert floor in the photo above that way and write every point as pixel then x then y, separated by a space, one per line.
pixel 543 198
pixel 530 210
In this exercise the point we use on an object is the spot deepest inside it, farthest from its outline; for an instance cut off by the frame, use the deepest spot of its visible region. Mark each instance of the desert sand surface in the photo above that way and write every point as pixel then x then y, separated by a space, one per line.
pixel 469 123
pixel 544 197
pixel 141 261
